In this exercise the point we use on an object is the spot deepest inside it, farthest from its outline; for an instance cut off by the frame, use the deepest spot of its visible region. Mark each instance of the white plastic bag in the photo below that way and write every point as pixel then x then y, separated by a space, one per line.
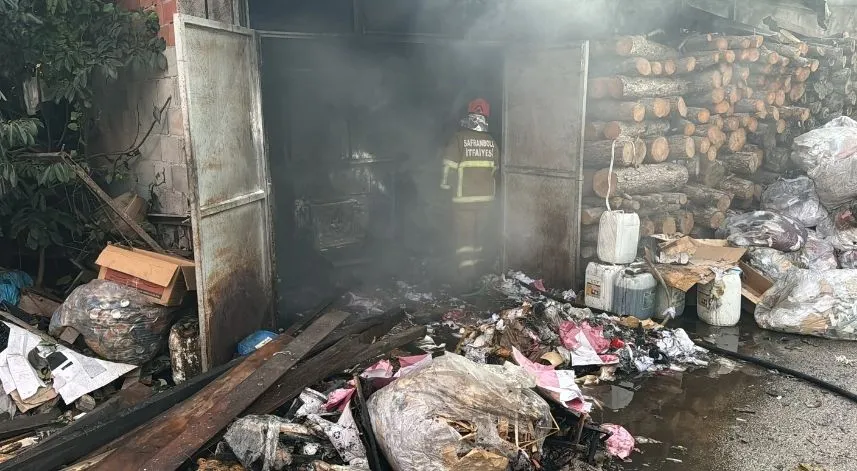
pixel 817 253
pixel 840 229
pixel 829 156
pixel 765 229
pixel 432 420
pixel 795 198
pixel 810 302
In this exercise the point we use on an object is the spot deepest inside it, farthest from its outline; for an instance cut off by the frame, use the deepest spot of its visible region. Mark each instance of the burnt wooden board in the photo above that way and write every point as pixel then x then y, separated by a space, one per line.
pixel 27 423
pixel 345 353
pixel 103 425
pixel 166 442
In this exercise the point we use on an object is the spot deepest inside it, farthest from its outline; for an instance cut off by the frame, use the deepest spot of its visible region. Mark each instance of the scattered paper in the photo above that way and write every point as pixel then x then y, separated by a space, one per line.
pixel 343 435
pixel 559 384
pixel 73 374
pixel 586 344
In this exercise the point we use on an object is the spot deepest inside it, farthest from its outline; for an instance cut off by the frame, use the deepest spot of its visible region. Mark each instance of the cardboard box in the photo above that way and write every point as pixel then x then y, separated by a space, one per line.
pixel 163 278
pixel 753 283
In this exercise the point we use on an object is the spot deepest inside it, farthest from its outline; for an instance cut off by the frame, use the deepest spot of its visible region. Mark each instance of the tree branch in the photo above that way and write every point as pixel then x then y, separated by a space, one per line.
pixel 135 148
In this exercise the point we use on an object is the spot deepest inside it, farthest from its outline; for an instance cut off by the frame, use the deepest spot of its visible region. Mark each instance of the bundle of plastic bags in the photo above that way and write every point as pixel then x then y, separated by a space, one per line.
pixel 840 229
pixel 764 229
pixel 117 322
pixel 829 156
pixel 771 262
pixel 847 259
pixel 811 302
pixel 795 198
pixel 446 416
pixel 817 253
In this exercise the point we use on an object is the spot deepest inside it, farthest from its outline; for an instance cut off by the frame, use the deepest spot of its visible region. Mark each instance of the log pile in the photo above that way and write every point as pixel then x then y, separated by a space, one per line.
pixel 830 90
pixel 715 130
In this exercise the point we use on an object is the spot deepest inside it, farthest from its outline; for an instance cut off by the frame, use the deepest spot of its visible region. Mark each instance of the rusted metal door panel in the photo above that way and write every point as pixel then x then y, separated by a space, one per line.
pixel 220 95
pixel 545 103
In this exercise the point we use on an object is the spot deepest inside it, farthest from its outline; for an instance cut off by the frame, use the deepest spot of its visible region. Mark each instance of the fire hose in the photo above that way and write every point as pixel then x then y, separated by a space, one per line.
pixel 782 369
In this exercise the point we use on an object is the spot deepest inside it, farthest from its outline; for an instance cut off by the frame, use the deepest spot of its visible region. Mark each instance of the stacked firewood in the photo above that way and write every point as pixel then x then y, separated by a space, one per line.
pixel 830 90
pixel 691 130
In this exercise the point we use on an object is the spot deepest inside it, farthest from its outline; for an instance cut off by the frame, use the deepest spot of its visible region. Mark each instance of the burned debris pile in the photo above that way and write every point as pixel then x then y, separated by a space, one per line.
pixel 357 387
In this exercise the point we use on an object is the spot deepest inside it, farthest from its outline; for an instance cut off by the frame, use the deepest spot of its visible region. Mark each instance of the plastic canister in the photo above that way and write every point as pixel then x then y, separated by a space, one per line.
pixel 673 298
pixel 634 294
pixel 718 302
pixel 600 279
pixel 618 235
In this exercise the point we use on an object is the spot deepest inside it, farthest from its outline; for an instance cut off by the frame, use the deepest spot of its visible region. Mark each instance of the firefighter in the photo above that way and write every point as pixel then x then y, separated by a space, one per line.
pixel 469 168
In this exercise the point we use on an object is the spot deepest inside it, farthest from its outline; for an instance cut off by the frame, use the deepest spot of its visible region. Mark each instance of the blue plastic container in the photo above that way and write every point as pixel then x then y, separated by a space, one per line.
pixel 254 341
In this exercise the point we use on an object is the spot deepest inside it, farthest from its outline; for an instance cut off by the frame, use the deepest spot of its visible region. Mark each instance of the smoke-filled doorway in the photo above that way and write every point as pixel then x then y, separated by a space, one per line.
pixel 356 128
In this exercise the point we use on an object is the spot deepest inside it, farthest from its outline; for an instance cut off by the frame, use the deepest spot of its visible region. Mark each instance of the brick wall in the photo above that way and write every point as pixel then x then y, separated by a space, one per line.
pixel 127 109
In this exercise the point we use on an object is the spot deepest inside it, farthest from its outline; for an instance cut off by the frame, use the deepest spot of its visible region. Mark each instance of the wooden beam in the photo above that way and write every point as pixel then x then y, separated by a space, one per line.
pixel 27 423
pixel 166 442
pixel 347 352
pixel 87 435
pixel 81 173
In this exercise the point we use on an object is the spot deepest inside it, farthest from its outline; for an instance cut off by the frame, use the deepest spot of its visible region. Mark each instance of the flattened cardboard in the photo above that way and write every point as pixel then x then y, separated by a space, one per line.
pixel 37 304
pixel 163 278
pixel 707 255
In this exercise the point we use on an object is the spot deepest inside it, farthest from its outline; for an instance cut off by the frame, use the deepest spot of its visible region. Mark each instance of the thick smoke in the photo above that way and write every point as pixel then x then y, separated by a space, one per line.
pixel 393 93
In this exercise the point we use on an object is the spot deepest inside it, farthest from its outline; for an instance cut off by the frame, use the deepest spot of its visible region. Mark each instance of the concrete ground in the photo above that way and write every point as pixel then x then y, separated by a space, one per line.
pixel 736 416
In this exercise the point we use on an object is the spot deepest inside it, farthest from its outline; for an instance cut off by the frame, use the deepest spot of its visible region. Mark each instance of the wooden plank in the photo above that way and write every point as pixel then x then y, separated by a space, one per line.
pixel 27 423
pixel 365 425
pixel 81 173
pixel 124 399
pixel 347 352
pixel 166 442
pixel 93 431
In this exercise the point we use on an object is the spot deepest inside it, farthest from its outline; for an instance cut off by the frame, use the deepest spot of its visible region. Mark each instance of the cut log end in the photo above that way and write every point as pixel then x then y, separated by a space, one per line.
pixel 642 66
pixel 611 130
pixel 702 144
pixel 659 149
pixel 699 115
pixel 718 95
pixel 678 104
pixel 711 155
pixel 604 183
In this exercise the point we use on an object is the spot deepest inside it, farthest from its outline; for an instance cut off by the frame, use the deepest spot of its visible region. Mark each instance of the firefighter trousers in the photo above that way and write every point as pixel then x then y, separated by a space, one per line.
pixel 470 230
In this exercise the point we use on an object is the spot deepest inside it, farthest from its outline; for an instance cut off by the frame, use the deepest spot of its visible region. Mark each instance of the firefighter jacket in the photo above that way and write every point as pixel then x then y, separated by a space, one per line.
pixel 469 164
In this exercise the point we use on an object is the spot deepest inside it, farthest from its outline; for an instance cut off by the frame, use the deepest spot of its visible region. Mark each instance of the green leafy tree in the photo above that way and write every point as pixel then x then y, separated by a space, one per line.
pixel 52 52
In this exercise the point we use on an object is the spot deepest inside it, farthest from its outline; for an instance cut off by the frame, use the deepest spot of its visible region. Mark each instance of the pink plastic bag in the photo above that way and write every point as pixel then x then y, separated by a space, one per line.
pixel 621 443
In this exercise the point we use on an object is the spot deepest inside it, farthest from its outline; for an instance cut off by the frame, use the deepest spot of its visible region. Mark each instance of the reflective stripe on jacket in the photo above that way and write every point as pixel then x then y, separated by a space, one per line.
pixel 471 157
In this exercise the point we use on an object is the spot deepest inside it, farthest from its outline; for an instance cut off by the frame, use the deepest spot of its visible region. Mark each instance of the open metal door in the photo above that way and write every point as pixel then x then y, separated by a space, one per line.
pixel 544 107
pixel 218 74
